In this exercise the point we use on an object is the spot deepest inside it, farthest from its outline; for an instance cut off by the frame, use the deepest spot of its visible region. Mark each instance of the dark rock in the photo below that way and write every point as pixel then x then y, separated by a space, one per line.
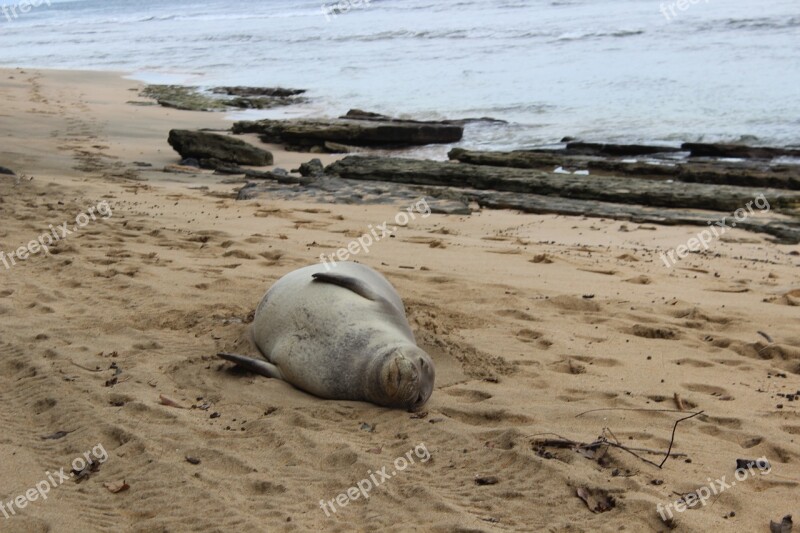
pixel 278 171
pixel 221 167
pixel 278 92
pixel 739 151
pixel 184 98
pixel 311 168
pixel 657 193
pixel 783 231
pixel 190 162
pixel 358 114
pixel 257 102
pixel 314 133
pixel 745 174
pixel 283 177
pixel 450 207
pixel 583 148
pixel 337 148
pixel 194 99
pixel 211 146
pixel 7 171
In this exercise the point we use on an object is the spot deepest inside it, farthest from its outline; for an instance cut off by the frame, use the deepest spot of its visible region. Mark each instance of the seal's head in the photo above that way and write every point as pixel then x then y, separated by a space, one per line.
pixel 406 377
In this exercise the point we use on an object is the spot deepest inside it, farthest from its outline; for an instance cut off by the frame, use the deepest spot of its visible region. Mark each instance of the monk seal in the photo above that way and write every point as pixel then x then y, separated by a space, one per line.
pixel 340 333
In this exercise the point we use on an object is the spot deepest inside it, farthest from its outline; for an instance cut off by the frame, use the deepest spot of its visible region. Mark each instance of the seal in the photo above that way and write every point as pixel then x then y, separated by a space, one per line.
pixel 340 333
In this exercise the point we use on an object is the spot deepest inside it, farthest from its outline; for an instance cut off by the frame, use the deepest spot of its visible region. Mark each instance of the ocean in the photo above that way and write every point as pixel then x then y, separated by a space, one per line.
pixel 598 70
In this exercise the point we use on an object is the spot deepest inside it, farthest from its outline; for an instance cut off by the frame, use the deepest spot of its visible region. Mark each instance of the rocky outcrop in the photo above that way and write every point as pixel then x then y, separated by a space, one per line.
pixel 601 149
pixel 745 174
pixel 456 201
pixel 313 167
pixel 194 99
pixel 274 92
pixel 306 134
pixel 739 151
pixel 211 149
pixel 7 171
pixel 358 114
pixel 278 176
pixel 656 193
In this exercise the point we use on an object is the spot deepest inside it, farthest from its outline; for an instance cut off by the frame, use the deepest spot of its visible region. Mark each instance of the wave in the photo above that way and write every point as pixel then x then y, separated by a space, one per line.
pixel 582 36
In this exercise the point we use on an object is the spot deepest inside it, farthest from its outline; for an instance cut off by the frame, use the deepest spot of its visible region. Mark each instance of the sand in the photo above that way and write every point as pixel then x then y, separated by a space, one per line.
pixel 531 321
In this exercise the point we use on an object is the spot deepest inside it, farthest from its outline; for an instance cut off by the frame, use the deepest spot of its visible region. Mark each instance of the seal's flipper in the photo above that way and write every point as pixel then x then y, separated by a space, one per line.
pixel 253 365
pixel 354 284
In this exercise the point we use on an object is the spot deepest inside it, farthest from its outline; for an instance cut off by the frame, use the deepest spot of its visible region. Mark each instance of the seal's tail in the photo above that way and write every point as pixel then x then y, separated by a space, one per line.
pixel 253 365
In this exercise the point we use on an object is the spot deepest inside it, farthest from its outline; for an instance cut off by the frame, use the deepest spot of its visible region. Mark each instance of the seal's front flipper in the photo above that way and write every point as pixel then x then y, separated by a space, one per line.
pixel 350 283
pixel 253 365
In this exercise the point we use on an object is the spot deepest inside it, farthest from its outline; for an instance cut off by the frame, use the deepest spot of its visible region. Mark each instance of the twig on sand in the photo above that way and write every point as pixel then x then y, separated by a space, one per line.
pixel 85 368
pixel 563 442
pixel 766 336
pixel 672 440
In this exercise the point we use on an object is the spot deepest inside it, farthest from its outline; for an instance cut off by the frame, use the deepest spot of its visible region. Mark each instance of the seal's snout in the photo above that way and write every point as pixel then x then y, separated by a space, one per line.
pixel 409 377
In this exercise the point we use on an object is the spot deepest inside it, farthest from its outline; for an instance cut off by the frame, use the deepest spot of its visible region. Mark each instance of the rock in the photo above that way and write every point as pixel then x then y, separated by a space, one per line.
pixel 583 148
pixel 658 193
pixel 181 169
pixel 193 99
pixel 739 151
pixel 743 174
pixel 211 146
pixel 190 162
pixel 337 148
pixel 220 167
pixel 283 177
pixel 358 114
pixel 450 207
pixel 257 102
pixel 7 171
pixel 783 231
pixel 278 92
pixel 305 134
pixel 184 98
pixel 311 168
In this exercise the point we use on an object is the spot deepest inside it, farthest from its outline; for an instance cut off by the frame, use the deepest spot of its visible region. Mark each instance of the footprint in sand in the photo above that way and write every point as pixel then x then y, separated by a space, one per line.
pixel 491 417
pixel 468 395
pixel 711 390
pixel 516 314
pixel 649 332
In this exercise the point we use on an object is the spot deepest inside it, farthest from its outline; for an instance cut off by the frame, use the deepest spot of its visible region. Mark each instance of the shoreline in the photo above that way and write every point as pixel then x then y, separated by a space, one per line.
pixel 323 108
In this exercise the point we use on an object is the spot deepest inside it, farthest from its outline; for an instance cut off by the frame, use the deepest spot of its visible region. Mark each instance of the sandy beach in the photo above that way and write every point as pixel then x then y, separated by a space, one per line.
pixel 540 326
